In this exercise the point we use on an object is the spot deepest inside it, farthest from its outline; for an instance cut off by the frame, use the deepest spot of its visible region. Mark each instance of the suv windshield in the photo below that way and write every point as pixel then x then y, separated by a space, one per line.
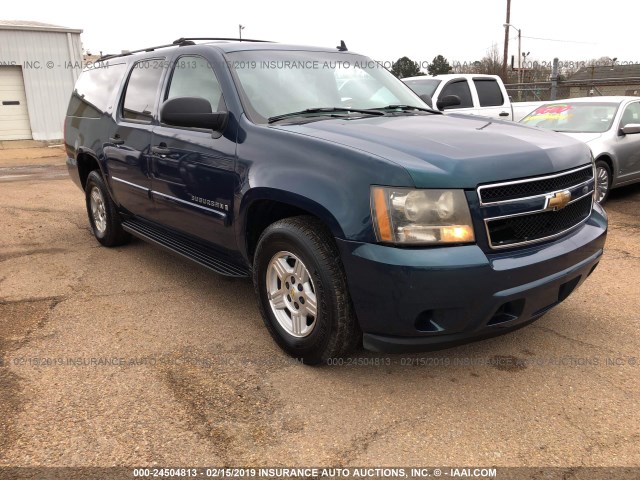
pixel 595 117
pixel 275 83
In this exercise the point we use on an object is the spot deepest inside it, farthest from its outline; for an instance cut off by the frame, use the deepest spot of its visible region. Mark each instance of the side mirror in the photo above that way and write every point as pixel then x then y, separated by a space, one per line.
pixel 448 101
pixel 630 128
pixel 427 99
pixel 191 112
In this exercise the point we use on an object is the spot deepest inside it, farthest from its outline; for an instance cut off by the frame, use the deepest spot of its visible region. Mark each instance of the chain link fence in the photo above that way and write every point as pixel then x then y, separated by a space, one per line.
pixel 537 83
pixel 542 91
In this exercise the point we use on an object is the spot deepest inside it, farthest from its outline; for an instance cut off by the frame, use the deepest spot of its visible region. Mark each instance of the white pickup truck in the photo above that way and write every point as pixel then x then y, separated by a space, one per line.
pixel 479 95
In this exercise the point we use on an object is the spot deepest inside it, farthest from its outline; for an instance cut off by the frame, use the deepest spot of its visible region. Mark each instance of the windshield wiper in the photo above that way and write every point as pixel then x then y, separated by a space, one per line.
pixel 406 108
pixel 326 110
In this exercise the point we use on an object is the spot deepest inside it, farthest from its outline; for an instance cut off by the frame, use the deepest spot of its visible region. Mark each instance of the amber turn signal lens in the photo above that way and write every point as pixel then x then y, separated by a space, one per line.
pixel 381 211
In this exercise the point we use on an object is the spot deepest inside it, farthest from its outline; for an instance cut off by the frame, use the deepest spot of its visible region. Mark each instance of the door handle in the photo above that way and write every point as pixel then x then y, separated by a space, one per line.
pixel 116 140
pixel 160 150
pixel 504 114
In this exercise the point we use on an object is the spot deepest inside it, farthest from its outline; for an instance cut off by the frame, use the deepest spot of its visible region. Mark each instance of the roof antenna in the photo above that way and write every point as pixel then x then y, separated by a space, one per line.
pixel 342 47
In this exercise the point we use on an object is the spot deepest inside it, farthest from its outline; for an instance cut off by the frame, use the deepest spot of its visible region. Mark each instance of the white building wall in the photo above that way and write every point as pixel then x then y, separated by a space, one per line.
pixel 51 62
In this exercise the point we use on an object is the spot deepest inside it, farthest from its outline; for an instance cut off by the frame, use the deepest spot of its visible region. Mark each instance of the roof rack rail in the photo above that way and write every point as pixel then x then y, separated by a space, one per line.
pixel 184 40
pixel 125 54
pixel 181 42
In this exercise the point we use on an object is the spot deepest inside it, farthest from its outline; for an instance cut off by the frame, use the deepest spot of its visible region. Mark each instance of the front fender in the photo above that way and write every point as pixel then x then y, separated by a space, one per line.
pixel 325 178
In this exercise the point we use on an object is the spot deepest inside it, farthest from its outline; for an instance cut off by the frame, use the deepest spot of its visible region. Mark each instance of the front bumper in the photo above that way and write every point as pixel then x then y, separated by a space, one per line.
pixel 409 299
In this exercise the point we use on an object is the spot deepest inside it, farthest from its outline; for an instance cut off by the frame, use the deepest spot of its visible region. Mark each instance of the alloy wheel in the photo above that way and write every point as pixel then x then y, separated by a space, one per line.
pixel 292 294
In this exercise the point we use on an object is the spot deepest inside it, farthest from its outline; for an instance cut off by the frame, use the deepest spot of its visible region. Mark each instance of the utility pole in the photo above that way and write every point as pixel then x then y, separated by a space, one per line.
pixel 554 80
pixel 506 42
pixel 524 66
pixel 240 28
pixel 519 56
pixel 507 25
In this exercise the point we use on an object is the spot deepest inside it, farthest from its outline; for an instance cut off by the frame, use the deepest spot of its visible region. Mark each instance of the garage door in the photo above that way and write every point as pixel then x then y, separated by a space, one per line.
pixel 14 117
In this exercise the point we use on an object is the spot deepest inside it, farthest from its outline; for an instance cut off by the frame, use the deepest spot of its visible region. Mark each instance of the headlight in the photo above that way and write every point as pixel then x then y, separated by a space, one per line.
pixel 421 217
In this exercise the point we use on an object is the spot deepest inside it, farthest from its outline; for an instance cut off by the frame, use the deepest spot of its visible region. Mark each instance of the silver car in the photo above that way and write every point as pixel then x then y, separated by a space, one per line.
pixel 611 128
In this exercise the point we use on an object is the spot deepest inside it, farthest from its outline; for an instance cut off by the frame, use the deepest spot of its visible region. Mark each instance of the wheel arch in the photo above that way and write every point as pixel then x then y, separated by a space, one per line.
pixel 87 162
pixel 609 160
pixel 261 207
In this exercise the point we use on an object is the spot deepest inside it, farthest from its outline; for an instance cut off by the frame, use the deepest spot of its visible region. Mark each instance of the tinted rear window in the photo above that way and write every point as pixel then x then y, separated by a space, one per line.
pixel 94 90
pixel 142 89
pixel 489 92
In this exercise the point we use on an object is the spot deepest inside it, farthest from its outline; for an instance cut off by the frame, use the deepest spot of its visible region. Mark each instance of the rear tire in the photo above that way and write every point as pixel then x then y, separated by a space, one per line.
pixel 104 218
pixel 302 291
pixel 603 181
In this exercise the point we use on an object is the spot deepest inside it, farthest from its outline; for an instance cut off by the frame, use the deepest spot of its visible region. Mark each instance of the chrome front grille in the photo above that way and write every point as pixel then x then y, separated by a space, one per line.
pixel 525 228
pixel 526 211
pixel 530 188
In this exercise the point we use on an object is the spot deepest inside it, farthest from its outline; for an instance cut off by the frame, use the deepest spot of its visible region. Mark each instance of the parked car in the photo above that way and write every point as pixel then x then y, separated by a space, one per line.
pixel 478 94
pixel 361 218
pixel 610 126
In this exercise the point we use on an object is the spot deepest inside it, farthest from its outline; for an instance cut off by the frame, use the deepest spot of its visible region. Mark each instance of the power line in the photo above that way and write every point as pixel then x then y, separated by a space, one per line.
pixel 557 40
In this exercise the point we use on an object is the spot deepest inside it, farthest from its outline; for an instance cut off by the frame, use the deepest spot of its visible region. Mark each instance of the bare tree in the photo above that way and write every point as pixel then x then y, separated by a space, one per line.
pixel 473 67
pixel 491 63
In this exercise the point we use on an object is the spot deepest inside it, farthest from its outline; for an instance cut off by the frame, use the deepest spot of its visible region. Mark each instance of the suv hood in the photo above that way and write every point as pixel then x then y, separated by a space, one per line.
pixel 453 151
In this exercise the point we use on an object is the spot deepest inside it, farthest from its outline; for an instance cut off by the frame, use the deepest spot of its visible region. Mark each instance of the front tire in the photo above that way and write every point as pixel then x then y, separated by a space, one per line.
pixel 103 216
pixel 603 181
pixel 302 291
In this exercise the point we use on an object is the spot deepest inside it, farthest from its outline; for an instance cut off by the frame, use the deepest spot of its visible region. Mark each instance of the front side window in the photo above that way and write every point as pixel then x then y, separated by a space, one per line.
pixel 194 77
pixel 142 88
pixel 274 83
pixel 461 89
pixel 631 114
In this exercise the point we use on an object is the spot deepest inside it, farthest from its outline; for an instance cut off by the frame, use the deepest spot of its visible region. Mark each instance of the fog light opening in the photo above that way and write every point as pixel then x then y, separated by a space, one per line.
pixel 568 287
pixel 507 312
pixel 425 323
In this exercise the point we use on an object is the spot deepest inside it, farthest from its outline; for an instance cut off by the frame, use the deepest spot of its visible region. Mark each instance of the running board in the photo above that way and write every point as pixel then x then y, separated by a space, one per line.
pixel 200 254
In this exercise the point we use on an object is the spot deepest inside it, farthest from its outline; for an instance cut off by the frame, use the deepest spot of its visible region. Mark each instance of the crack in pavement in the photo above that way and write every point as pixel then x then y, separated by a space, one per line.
pixel 622 254
pixel 35 251
pixel 361 443
pixel 19 319
pixel 33 209
pixel 229 405
pixel 571 339
pixel 625 226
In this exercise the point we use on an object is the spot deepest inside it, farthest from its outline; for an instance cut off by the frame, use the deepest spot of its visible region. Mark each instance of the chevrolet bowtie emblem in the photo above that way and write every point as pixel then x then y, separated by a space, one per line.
pixel 558 200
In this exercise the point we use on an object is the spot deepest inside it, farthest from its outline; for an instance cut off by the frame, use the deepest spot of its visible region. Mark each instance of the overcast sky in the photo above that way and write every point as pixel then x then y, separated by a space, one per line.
pixel 461 30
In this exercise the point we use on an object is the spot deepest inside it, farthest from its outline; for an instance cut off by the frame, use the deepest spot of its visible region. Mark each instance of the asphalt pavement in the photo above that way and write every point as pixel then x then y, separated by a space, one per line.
pixel 132 356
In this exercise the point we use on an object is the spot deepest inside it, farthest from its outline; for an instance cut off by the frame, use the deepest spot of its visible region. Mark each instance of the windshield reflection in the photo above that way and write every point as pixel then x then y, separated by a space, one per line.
pixel 275 83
